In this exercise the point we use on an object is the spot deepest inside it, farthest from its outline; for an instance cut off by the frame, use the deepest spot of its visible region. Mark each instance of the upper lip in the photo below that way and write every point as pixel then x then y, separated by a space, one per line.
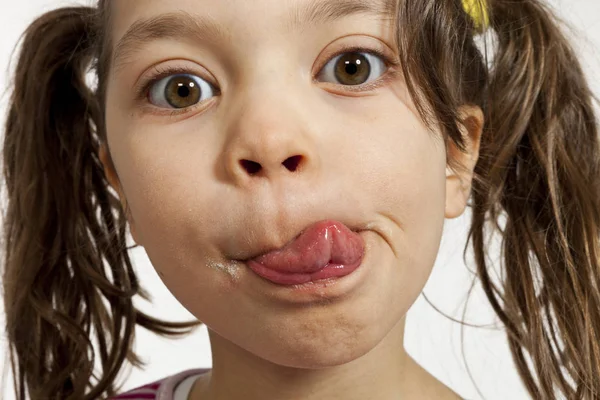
pixel 263 245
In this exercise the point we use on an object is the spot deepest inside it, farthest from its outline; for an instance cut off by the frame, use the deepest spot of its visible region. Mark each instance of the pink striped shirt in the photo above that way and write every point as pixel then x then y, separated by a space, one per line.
pixel 163 389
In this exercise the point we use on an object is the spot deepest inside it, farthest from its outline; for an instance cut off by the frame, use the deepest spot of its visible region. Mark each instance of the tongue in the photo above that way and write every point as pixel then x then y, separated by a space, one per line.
pixel 323 243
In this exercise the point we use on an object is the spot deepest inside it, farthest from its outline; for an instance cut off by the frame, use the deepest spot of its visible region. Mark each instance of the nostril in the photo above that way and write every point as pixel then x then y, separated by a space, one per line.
pixel 251 166
pixel 292 163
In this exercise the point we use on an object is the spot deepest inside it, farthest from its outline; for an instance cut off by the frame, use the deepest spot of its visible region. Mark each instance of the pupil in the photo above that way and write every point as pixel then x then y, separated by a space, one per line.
pixel 351 69
pixel 183 91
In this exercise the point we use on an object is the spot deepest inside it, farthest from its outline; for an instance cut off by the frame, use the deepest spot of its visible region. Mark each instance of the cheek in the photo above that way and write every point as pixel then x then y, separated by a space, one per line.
pixel 164 177
pixel 402 170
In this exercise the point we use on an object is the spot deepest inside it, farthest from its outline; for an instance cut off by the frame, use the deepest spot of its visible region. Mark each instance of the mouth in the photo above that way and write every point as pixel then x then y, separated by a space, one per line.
pixel 267 248
pixel 271 249
pixel 324 250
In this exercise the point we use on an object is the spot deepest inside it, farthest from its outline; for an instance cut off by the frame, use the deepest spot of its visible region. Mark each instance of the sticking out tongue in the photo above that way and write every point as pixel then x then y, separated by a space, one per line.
pixel 327 243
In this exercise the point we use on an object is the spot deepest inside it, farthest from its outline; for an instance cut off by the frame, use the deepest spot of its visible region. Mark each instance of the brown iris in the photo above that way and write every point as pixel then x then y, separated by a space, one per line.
pixel 182 91
pixel 352 69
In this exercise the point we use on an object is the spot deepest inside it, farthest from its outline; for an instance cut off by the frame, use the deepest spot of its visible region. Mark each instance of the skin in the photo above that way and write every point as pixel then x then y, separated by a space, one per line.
pixel 367 160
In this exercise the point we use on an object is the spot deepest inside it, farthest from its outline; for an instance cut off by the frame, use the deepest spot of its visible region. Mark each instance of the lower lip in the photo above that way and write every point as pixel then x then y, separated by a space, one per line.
pixel 330 271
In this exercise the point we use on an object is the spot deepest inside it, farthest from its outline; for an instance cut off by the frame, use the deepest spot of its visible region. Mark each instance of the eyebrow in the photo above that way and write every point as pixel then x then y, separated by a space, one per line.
pixel 205 29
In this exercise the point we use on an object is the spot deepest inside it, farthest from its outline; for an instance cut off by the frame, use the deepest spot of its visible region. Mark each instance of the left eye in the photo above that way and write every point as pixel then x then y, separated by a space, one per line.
pixel 354 68
pixel 179 91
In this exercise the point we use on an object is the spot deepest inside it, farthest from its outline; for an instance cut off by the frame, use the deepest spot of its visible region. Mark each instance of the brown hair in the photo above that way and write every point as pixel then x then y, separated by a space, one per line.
pixel 536 181
pixel 68 278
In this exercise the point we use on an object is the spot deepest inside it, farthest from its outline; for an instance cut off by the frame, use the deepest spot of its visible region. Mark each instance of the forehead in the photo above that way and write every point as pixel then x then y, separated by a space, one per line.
pixel 150 17
pixel 298 11
pixel 247 24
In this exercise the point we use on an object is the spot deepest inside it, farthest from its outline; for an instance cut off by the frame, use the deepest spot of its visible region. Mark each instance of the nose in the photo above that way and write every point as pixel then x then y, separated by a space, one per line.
pixel 269 140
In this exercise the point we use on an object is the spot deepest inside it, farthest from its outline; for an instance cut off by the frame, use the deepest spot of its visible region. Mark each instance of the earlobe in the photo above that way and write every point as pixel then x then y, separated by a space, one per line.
pixel 113 180
pixel 457 195
pixel 459 182
pixel 109 171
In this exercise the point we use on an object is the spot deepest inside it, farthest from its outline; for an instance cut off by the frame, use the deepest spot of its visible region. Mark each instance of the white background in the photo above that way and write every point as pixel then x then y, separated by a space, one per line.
pixel 433 340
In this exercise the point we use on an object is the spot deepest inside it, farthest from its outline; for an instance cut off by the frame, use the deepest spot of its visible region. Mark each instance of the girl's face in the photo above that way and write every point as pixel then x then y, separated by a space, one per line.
pixel 262 83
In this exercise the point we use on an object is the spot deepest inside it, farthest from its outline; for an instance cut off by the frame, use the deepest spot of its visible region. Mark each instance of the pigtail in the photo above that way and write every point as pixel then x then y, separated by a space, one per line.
pixel 68 280
pixel 540 162
pixel 537 179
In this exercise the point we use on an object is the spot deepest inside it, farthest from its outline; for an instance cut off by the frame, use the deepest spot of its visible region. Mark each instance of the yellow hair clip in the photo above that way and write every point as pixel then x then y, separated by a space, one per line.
pixel 477 9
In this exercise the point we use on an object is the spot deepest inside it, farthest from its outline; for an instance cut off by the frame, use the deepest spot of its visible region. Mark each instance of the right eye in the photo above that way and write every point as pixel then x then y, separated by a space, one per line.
pixel 179 91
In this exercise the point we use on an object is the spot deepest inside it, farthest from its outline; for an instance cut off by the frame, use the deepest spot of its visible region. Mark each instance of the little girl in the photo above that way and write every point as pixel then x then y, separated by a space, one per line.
pixel 288 167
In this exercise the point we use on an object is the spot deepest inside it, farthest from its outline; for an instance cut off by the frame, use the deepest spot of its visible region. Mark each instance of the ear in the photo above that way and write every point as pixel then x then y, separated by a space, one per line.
pixel 113 179
pixel 458 183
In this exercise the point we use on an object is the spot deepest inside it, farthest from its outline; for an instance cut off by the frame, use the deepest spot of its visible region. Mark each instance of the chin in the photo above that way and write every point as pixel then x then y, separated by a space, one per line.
pixel 319 354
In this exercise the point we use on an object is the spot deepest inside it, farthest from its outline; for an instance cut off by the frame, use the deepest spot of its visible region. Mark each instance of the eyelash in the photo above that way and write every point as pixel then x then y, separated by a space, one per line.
pixel 142 89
